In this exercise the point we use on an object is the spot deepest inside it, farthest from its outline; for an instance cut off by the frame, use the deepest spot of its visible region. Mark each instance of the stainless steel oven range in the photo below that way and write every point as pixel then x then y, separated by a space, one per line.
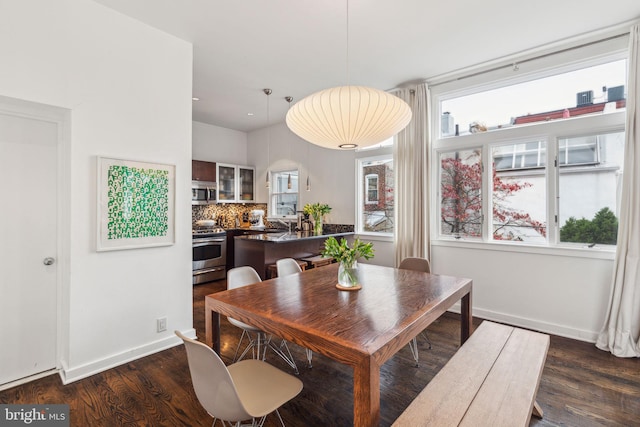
pixel 209 254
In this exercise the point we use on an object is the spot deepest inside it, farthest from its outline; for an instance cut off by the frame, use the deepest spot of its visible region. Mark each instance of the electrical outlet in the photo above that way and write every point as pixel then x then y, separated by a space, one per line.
pixel 161 324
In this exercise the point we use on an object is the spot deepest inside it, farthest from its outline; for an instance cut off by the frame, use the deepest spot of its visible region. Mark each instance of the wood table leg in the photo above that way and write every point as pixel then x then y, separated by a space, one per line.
pixel 466 318
pixel 366 394
pixel 537 410
pixel 211 327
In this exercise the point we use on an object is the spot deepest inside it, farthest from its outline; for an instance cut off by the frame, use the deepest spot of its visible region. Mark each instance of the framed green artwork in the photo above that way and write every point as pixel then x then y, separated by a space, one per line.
pixel 136 204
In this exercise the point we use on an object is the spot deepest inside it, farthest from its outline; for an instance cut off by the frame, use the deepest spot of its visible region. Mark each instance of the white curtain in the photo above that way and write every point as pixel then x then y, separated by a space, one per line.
pixel 621 331
pixel 411 163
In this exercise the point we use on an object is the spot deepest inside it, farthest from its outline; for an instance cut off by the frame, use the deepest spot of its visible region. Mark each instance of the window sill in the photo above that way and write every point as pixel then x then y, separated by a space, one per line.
pixel 376 237
pixel 597 252
pixel 288 218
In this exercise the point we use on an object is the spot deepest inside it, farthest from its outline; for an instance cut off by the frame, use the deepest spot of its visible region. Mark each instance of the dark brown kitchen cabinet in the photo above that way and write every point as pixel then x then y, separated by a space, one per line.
pixel 203 171
pixel 261 252
pixel 231 234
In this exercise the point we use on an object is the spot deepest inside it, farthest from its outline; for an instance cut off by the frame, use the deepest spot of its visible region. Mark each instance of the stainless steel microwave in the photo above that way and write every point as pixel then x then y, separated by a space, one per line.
pixel 203 192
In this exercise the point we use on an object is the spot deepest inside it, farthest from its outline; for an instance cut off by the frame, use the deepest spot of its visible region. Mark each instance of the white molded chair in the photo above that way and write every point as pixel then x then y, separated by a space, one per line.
pixel 259 342
pixel 247 390
pixel 416 264
pixel 287 266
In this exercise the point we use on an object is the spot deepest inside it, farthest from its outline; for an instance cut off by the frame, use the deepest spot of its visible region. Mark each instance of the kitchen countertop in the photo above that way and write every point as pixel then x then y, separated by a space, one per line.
pixel 284 237
pixel 264 230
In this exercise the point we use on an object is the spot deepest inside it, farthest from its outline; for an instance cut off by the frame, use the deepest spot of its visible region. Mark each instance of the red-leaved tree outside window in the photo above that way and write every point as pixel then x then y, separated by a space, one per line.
pixel 512 197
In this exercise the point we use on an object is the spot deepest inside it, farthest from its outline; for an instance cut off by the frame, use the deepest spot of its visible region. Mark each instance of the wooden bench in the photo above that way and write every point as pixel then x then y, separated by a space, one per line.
pixel 492 380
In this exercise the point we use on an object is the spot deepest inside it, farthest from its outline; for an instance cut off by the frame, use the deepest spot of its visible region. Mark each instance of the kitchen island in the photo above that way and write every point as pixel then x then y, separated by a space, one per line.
pixel 261 250
pixel 242 231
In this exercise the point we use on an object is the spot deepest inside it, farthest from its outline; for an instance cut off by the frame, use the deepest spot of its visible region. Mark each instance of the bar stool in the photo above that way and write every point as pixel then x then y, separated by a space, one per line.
pixel 318 261
pixel 272 269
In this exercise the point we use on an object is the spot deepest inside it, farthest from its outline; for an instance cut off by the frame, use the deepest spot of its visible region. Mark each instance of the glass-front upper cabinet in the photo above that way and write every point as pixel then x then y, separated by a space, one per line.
pixel 226 182
pixel 235 183
pixel 246 181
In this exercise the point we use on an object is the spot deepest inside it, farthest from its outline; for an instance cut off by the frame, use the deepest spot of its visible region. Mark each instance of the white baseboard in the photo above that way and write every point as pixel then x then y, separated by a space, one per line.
pixel 534 324
pixel 25 380
pixel 75 373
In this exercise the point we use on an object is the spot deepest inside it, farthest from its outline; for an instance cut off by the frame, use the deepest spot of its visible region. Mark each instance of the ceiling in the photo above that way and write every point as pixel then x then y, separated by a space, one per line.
pixel 297 47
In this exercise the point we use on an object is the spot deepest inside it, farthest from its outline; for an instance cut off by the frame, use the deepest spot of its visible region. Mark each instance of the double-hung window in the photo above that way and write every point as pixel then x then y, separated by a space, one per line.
pixel 283 200
pixel 375 206
pixel 535 160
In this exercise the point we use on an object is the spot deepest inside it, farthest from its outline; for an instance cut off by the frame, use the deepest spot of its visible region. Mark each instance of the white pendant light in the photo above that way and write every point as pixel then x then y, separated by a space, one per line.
pixel 348 116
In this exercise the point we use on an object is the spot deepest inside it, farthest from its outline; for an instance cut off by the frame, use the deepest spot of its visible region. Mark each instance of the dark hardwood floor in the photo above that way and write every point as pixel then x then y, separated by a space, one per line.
pixel 581 385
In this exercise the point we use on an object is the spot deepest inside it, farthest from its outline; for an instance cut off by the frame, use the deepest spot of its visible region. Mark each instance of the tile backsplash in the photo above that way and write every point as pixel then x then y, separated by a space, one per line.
pixel 224 213
pixel 337 228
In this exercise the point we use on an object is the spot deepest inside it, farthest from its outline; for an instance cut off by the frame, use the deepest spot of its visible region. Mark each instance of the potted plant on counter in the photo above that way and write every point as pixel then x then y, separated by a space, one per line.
pixel 348 259
pixel 316 211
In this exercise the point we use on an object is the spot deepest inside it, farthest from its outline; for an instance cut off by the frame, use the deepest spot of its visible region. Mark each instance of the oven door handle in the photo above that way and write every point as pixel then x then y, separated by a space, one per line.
pixel 204 242
pixel 207 270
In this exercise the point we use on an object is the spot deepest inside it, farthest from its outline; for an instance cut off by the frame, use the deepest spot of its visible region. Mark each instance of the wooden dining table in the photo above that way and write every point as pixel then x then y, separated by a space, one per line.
pixel 362 329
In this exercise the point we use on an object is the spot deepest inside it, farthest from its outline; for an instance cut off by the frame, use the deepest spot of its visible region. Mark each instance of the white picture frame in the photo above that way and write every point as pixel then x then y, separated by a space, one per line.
pixel 136 204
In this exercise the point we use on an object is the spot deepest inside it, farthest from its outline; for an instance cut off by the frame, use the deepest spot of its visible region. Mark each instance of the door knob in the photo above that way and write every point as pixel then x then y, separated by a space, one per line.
pixel 48 261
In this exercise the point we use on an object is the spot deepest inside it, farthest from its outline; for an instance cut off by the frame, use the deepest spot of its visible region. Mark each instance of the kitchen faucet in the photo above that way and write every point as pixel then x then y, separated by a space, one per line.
pixel 288 208
pixel 286 224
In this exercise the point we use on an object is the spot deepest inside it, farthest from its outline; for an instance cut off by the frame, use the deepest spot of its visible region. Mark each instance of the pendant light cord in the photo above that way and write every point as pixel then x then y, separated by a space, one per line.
pixel 348 87
pixel 308 180
pixel 347 42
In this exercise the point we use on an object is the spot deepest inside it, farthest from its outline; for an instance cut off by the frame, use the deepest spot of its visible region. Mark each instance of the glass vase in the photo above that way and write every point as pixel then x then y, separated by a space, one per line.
pixel 348 274
pixel 317 225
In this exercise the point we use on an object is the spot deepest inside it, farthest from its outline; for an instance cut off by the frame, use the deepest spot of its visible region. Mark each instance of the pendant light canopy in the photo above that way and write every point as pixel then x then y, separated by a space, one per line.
pixel 348 117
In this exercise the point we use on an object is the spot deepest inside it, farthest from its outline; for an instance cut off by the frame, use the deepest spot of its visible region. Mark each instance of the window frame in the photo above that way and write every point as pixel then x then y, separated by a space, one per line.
pixel 550 132
pixel 540 169
pixel 380 153
pixel 271 206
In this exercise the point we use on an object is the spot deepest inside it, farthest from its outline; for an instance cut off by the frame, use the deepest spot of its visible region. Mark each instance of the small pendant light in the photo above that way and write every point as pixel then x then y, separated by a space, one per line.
pixel 308 180
pixel 268 92
pixel 289 99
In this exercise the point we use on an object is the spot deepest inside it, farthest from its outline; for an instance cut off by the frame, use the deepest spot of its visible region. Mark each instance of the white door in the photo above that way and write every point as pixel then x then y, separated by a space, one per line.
pixel 28 303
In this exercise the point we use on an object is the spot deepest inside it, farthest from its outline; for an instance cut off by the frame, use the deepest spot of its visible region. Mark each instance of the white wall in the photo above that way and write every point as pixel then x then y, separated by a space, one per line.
pixel 218 144
pixel 556 293
pixel 332 172
pixel 128 89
